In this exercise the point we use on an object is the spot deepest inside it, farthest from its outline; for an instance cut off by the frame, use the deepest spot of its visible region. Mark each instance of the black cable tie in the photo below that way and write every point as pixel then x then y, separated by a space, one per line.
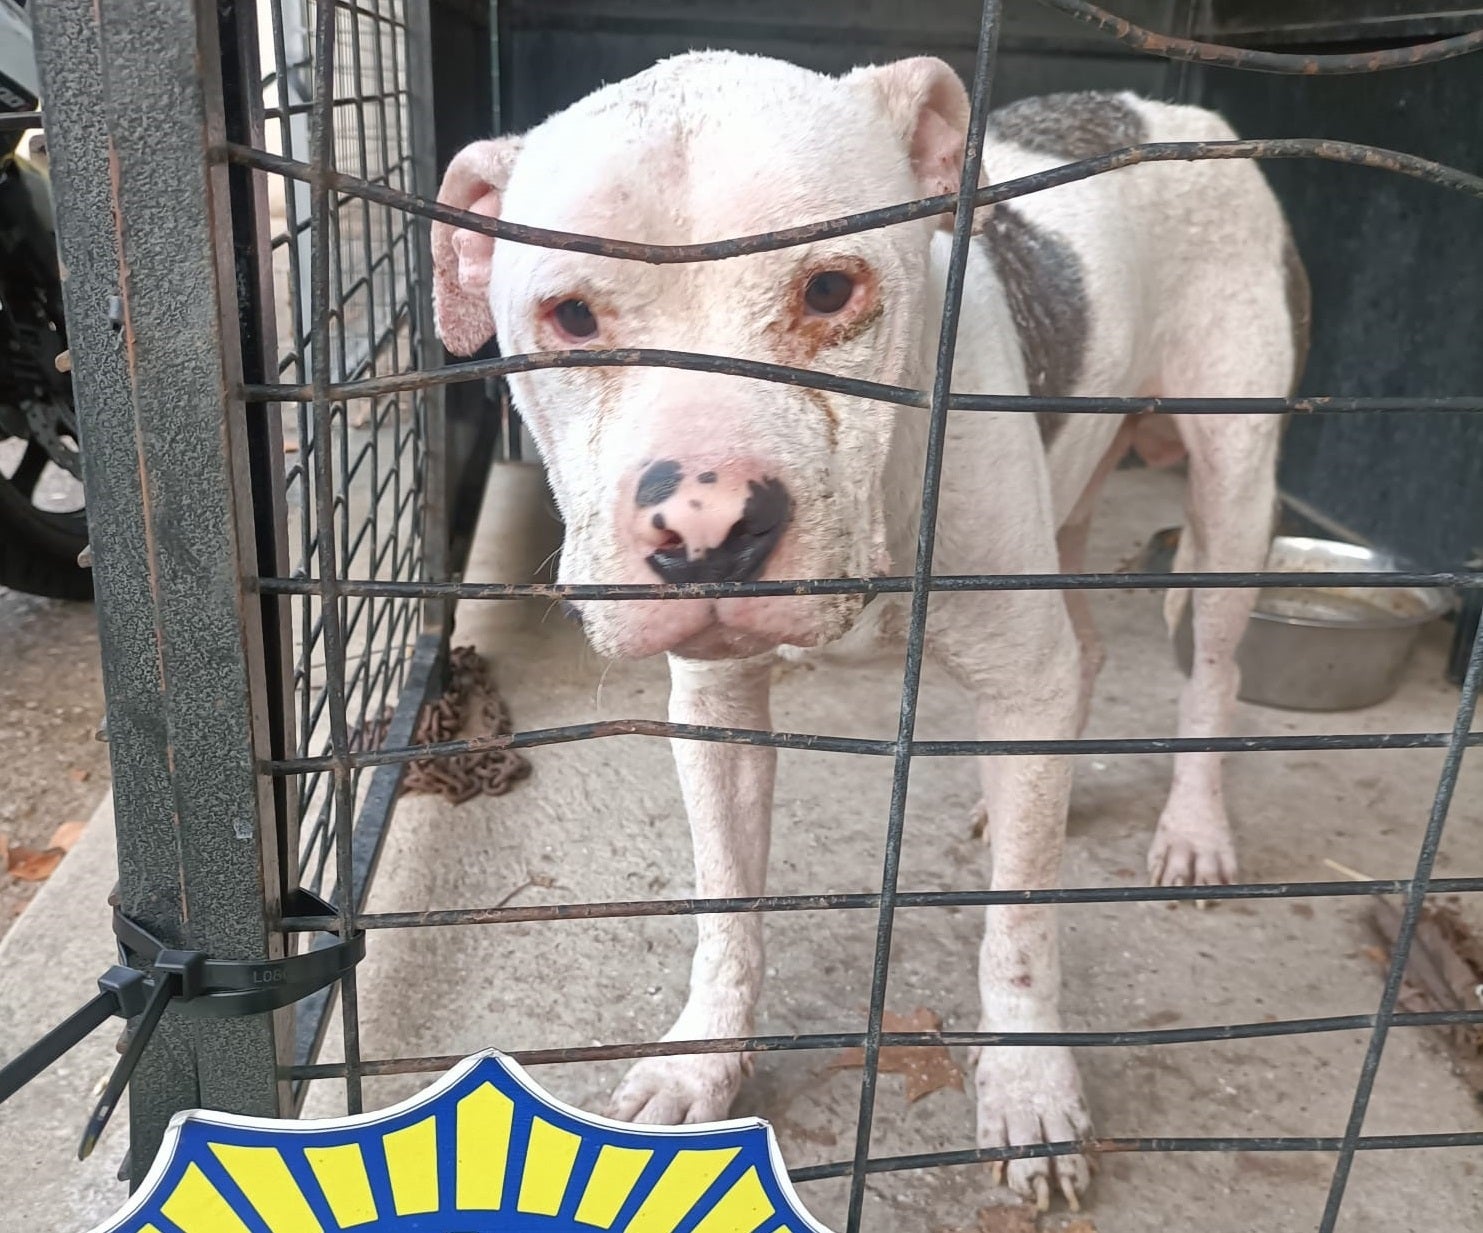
pixel 154 975
pixel 121 991
pixel 226 988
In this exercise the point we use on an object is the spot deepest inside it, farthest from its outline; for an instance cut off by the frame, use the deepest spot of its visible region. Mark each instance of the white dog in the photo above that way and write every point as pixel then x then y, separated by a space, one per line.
pixel 1172 279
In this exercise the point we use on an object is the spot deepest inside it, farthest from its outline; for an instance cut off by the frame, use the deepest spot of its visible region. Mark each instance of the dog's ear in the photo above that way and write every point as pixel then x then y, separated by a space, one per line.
pixel 928 106
pixel 475 180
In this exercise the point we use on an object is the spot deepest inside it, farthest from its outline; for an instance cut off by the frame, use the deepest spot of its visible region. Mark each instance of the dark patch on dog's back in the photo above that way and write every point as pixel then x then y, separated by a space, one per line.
pixel 1042 282
pixel 1070 126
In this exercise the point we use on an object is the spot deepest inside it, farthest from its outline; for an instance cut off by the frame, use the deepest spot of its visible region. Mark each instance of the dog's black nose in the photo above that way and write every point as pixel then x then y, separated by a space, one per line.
pixel 745 548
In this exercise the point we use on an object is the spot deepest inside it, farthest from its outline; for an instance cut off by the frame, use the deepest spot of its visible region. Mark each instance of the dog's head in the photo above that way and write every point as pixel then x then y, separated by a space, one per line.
pixel 671 475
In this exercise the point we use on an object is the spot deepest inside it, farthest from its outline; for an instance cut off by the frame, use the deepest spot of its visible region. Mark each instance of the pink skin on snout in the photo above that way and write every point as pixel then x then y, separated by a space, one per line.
pixel 692 521
pixel 701 521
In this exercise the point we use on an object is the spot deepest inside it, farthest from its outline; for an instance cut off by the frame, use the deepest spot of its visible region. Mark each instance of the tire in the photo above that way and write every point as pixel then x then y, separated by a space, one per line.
pixel 38 549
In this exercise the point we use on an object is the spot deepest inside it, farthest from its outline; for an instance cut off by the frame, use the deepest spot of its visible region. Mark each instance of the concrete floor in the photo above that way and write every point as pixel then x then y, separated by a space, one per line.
pixel 52 770
pixel 603 820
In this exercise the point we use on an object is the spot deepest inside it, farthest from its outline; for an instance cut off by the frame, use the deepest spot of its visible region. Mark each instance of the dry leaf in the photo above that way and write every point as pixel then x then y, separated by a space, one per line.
pixel 1007 1218
pixel 67 835
pixel 78 775
pixel 927 1067
pixel 31 864
pixel 1443 971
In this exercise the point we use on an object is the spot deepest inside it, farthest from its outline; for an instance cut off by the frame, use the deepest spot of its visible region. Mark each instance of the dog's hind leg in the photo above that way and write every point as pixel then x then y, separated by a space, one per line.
pixel 1230 505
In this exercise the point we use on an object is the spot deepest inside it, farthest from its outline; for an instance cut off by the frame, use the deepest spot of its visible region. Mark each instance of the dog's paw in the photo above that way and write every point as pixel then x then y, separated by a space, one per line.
pixel 671 1091
pixel 1028 1096
pixel 1197 856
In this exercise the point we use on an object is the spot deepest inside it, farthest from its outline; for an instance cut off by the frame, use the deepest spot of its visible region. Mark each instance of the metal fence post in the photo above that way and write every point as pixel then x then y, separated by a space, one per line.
pixel 133 101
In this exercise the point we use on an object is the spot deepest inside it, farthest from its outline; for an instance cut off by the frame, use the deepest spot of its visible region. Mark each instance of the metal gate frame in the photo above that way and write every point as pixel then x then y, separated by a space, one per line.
pixel 167 266
pixel 161 214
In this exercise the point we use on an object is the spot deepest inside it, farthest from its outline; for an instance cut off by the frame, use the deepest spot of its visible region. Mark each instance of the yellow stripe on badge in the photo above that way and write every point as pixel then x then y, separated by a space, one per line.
pixel 612 1181
pixel 264 1178
pixel 341 1174
pixel 412 1162
pixel 484 1119
pixel 548 1167
pixel 197 1206
pixel 688 1176
pixel 741 1209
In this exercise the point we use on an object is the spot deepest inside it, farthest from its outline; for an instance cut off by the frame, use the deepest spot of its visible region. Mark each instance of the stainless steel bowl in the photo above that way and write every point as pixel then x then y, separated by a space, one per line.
pixel 1319 648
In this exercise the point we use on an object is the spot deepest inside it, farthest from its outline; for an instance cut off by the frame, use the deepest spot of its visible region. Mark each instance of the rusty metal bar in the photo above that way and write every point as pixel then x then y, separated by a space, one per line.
pixel 900 395
pixel 1141 39
pixel 1400 951
pixel 817 743
pixel 322 143
pixel 1132 1038
pixel 869 220
pixel 990 15
pixel 442 918
pixel 887 585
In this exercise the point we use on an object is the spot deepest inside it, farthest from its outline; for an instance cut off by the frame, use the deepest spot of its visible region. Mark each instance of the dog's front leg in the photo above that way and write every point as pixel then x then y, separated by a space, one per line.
pixel 728 797
pixel 1027 1094
pixel 1030 691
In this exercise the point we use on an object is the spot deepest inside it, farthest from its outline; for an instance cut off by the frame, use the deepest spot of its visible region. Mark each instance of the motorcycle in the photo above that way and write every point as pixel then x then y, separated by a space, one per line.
pixel 43 521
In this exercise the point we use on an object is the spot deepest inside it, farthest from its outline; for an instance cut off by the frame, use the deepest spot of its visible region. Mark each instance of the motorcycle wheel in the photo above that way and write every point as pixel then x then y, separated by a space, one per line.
pixel 38 545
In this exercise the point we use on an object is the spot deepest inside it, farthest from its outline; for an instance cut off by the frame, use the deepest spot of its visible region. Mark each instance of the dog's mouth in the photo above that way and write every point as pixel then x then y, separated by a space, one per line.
pixel 719 641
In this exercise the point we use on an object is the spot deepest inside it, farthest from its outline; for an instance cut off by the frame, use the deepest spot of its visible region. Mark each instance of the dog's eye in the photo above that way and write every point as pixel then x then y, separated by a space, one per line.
pixel 575 319
pixel 828 292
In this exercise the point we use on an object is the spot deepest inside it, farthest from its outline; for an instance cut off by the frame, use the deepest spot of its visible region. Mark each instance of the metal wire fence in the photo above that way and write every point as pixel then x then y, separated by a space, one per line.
pixel 354 383
pixel 325 391
pixel 374 444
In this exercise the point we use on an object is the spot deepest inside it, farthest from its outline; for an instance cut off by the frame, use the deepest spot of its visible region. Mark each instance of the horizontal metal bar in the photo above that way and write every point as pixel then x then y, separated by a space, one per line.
pixel 817 743
pixel 854 387
pixel 1132 1038
pixel 1099 1146
pixel 1141 39
pixel 1350 153
pixel 619 909
pixel 302 109
pixel 893 585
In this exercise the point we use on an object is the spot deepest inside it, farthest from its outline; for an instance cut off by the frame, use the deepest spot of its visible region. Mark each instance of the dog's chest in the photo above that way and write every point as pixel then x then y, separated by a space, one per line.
pixel 877 634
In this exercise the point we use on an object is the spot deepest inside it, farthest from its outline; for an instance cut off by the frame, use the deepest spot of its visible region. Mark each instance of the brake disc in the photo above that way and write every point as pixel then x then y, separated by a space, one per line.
pixel 53 426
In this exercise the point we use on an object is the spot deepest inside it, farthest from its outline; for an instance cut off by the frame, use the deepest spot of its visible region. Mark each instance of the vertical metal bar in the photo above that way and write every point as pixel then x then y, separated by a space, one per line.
pixel 437 614
pixel 242 78
pixel 322 145
pixel 496 82
pixel 1400 953
pixel 942 380
pixel 1185 19
pixel 359 93
pixel 134 102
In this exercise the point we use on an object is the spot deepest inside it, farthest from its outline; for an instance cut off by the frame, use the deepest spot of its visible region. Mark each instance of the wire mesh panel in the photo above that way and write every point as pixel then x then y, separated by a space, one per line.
pixel 375 445
pixel 358 396
pixel 920 583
